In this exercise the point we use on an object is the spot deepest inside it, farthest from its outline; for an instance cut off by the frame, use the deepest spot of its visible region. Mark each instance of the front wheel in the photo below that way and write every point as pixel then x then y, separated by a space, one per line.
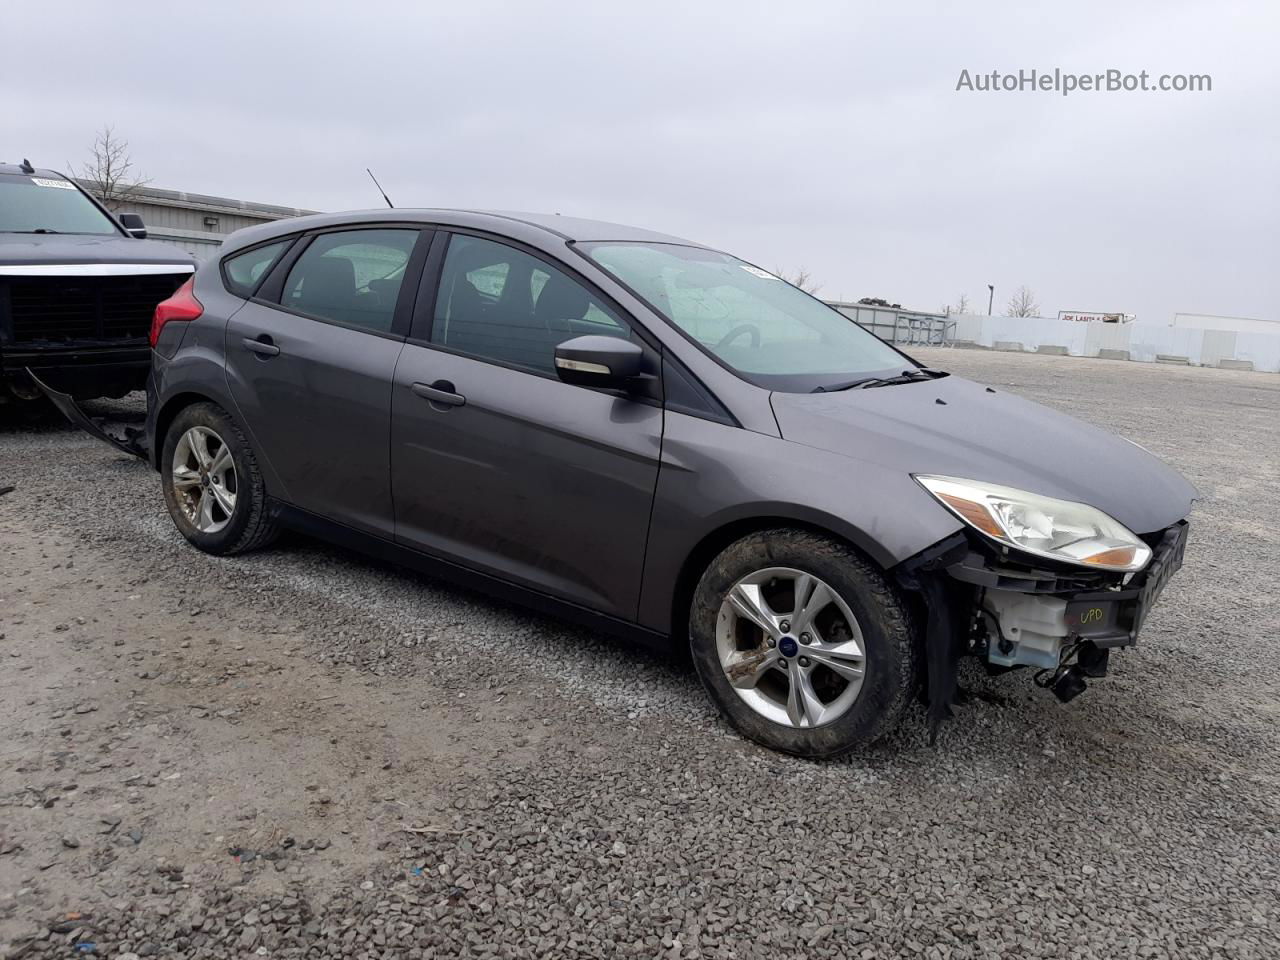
pixel 212 484
pixel 804 645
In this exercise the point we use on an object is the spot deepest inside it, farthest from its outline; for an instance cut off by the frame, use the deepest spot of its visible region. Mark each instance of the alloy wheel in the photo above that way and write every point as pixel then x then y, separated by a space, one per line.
pixel 204 479
pixel 791 647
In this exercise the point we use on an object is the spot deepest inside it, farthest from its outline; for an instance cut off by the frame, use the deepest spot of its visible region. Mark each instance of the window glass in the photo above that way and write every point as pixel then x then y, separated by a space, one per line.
pixel 498 303
pixel 756 324
pixel 351 277
pixel 245 270
pixel 48 205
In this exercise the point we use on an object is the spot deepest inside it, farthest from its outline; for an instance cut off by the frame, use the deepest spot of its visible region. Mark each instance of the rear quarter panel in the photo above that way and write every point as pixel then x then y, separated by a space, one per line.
pixel 198 367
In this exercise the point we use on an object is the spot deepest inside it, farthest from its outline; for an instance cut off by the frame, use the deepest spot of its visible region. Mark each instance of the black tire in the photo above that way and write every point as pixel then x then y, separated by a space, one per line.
pixel 252 523
pixel 893 647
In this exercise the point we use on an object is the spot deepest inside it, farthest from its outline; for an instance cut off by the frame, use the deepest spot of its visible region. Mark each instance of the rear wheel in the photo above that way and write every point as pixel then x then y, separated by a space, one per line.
pixel 803 644
pixel 212 484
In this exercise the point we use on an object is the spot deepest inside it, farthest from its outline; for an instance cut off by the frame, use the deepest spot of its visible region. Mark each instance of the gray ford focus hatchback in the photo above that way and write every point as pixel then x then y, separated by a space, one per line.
pixel 659 440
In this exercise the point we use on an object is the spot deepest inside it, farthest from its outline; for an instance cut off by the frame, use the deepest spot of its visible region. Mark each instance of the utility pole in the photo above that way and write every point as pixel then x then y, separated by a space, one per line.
pixel 991 296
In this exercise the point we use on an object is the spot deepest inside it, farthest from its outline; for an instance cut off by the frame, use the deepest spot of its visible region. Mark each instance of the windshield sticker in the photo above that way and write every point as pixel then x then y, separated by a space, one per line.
pixel 60 184
pixel 757 272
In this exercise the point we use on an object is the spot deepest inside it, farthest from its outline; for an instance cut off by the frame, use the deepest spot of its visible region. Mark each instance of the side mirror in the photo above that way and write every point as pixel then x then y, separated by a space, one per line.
pixel 133 223
pixel 595 361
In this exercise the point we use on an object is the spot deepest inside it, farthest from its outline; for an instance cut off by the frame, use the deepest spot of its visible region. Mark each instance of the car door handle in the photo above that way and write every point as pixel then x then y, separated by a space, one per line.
pixel 441 392
pixel 262 346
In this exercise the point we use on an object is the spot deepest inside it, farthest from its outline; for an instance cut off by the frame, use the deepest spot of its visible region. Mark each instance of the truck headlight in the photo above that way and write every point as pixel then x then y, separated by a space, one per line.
pixel 1045 526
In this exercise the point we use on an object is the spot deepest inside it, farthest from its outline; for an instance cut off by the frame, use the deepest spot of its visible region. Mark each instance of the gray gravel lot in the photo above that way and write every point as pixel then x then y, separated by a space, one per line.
pixel 306 753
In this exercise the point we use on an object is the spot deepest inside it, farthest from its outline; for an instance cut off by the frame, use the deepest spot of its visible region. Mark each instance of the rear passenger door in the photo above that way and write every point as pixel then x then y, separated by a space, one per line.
pixel 310 361
pixel 496 463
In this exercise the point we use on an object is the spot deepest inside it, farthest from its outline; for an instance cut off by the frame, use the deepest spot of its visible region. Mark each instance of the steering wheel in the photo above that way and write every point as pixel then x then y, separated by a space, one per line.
pixel 738 331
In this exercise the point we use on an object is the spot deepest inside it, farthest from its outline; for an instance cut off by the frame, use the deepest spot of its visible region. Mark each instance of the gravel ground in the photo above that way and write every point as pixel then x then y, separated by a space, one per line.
pixel 304 753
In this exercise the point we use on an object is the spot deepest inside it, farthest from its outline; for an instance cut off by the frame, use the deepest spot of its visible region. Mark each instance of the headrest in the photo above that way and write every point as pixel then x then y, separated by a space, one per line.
pixel 561 299
pixel 328 281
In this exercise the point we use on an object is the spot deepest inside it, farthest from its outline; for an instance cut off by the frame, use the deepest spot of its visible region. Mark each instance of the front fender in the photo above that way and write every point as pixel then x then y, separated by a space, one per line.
pixel 715 477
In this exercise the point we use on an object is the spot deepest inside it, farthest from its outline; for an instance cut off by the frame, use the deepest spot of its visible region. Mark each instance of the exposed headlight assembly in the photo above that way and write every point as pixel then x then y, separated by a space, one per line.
pixel 1047 527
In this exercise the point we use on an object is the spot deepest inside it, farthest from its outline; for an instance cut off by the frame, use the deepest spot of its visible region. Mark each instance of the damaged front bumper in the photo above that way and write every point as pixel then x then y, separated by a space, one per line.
pixel 1062 622
pixel 1030 617
pixel 130 440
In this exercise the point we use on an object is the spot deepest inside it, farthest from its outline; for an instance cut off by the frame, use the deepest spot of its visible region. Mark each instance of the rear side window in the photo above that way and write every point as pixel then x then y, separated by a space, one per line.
pixel 244 271
pixel 352 277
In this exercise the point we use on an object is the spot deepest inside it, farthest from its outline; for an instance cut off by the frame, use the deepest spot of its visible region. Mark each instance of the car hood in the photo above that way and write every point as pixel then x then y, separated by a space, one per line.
pixel 18 249
pixel 957 428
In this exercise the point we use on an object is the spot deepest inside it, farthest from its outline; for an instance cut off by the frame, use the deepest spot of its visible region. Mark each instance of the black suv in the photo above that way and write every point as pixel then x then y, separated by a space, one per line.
pixel 77 288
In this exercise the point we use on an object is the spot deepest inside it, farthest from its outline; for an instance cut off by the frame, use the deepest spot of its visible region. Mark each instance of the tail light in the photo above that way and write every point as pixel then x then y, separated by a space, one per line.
pixel 182 306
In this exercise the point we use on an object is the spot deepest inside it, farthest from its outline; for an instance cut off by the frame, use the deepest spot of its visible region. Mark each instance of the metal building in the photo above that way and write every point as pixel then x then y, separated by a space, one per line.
pixel 193 221
pixel 897 325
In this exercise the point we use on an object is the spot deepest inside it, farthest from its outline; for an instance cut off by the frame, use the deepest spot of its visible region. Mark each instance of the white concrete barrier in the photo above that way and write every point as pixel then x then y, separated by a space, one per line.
pixel 1144 342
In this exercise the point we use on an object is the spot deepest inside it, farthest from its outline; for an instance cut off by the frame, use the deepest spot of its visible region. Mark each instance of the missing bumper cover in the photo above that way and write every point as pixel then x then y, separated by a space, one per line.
pixel 1063 622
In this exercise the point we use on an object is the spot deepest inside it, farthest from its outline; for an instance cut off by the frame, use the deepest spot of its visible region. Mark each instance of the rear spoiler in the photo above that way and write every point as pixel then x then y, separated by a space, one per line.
pixel 134 441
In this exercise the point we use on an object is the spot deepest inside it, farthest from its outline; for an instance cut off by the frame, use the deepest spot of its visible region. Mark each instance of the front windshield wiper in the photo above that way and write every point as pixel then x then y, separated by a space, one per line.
pixel 38 230
pixel 863 383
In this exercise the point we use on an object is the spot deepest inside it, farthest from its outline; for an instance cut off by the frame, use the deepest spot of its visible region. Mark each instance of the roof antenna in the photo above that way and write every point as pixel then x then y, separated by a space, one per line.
pixel 27 167
pixel 379 186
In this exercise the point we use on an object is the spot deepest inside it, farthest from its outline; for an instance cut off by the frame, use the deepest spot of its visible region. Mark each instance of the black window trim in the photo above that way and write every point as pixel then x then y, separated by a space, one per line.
pixel 289 240
pixel 433 245
pixel 710 407
pixel 271 289
pixel 424 314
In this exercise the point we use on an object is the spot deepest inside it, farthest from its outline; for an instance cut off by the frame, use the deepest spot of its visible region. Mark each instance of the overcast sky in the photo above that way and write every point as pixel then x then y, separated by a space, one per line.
pixel 791 134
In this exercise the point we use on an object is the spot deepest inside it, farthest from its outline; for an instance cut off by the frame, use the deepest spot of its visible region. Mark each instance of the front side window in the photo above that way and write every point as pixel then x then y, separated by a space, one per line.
pixel 763 328
pixel 352 277
pixel 244 271
pixel 49 205
pixel 498 303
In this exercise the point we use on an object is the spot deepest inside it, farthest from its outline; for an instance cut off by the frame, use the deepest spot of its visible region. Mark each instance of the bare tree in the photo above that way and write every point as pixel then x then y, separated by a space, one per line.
pixel 962 306
pixel 110 175
pixel 1022 304
pixel 802 278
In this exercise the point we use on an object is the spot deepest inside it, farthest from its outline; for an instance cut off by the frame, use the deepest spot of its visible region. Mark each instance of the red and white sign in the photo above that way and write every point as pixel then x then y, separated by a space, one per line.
pixel 1087 316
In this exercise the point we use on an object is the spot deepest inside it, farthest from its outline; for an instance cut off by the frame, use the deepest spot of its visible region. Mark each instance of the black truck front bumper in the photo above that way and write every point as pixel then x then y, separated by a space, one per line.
pixel 83 370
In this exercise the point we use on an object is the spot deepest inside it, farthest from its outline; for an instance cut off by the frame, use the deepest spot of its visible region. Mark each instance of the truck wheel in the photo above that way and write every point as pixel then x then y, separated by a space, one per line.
pixel 804 646
pixel 212 484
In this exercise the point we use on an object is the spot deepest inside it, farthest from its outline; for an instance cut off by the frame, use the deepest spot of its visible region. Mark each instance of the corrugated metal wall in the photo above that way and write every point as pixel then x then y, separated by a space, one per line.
pixel 186 227
pixel 195 222
pixel 189 219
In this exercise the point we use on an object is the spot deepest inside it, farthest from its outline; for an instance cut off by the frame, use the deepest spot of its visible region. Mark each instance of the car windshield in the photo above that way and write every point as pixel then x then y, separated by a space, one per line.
pixel 758 325
pixel 37 204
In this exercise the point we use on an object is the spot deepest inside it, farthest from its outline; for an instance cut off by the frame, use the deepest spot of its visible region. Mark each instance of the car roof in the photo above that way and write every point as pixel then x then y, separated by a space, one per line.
pixel 17 171
pixel 581 229
pixel 499 221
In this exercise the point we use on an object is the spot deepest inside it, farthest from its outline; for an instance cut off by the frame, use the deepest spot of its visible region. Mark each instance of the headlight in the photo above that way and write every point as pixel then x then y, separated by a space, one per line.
pixel 1047 527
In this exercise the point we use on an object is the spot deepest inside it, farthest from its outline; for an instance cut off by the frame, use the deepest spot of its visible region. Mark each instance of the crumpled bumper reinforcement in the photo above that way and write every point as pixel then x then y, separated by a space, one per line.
pixel 1014 615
